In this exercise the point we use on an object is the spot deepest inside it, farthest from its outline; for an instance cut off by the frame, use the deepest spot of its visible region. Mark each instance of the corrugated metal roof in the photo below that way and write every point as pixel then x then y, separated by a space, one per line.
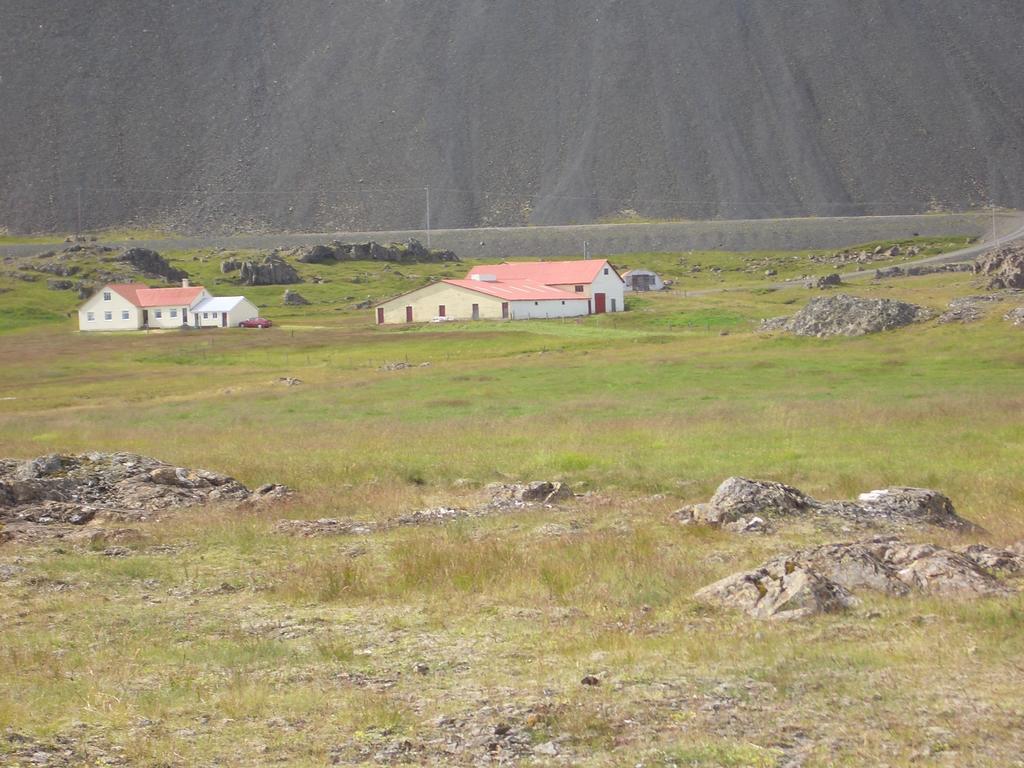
pixel 218 304
pixel 516 290
pixel 545 272
pixel 141 296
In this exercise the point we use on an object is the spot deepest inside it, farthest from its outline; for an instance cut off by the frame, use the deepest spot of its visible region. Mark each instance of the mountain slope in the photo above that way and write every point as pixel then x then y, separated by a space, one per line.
pixel 328 115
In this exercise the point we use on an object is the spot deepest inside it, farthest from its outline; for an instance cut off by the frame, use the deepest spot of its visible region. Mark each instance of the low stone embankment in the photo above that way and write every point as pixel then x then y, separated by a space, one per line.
pixel 504 497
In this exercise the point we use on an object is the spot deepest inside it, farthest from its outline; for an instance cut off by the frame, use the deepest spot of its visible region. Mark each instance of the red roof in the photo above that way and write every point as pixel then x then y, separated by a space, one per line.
pixel 545 272
pixel 141 296
pixel 516 290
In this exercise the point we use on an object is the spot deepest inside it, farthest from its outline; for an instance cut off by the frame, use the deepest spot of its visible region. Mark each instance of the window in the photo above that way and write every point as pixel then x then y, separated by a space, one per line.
pixel 563 303
pixel 536 303
pixel 108 315
pixel 158 314
pixel 125 314
pixel 206 314
pixel 579 289
pixel 90 316
pixel 106 295
pixel 174 313
pixel 606 270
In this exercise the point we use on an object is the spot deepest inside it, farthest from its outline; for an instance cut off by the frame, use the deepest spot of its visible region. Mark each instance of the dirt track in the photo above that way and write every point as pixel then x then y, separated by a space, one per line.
pixel 611 239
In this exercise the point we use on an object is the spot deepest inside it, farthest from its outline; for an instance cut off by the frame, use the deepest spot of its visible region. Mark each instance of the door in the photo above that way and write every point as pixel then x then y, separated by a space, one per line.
pixel 440 310
pixel 504 310
pixel 145 318
pixel 380 315
pixel 184 315
pixel 408 314
pixel 223 319
pixel 599 299
pixel 476 311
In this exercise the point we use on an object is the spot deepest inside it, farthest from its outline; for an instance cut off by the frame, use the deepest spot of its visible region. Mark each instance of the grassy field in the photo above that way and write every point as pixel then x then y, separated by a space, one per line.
pixel 219 641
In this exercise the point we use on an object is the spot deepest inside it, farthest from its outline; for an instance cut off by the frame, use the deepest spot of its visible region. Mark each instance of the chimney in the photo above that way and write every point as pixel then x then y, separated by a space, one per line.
pixel 184 282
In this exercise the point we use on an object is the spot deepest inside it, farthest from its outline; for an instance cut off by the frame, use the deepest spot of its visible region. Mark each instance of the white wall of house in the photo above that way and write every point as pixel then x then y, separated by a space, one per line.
pixel 607 282
pixel 610 284
pixel 108 310
pixel 529 310
pixel 169 317
pixel 174 315
pixel 426 303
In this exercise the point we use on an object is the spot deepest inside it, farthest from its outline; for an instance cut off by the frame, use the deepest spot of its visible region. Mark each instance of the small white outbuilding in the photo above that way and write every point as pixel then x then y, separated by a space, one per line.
pixel 643 280
pixel 223 311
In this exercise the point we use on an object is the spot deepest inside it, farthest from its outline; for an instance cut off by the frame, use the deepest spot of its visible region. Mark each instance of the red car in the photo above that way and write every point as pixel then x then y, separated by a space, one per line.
pixel 255 322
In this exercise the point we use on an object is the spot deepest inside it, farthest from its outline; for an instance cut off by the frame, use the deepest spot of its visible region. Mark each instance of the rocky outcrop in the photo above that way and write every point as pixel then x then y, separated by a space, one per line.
pixel 293 298
pixel 965 309
pixel 1015 316
pixel 74 489
pixel 230 265
pixel 844 315
pixel 273 270
pixel 320 254
pixel 825 281
pixel 823 579
pixel 738 498
pixel 739 501
pixel 1002 268
pixel 523 494
pixel 409 252
pixel 921 269
pixel 777 590
pixel 152 263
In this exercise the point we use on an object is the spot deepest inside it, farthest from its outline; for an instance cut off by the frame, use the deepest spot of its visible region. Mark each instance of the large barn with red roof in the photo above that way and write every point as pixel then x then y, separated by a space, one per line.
pixel 131 306
pixel 519 290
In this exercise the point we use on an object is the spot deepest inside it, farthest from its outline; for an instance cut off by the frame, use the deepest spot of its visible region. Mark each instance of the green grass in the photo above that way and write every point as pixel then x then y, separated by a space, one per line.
pixel 217 640
pixel 26 304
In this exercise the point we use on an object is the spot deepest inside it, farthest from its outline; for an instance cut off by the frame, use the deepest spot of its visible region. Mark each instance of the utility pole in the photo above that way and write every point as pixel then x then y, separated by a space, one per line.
pixel 428 215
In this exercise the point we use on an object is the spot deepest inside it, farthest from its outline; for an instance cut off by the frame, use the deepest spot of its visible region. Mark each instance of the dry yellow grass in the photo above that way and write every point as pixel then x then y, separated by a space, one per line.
pixel 217 640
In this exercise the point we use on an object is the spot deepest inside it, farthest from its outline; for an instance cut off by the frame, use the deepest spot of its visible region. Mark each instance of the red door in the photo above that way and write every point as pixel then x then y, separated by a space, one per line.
pixel 440 310
pixel 408 314
pixel 599 303
pixel 380 315
pixel 504 310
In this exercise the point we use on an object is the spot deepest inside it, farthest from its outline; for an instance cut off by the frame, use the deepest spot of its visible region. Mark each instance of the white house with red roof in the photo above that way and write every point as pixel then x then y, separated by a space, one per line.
pixel 514 291
pixel 131 306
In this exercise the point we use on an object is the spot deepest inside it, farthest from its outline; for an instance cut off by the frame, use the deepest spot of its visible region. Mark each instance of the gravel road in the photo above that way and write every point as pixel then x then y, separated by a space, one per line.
pixel 612 239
